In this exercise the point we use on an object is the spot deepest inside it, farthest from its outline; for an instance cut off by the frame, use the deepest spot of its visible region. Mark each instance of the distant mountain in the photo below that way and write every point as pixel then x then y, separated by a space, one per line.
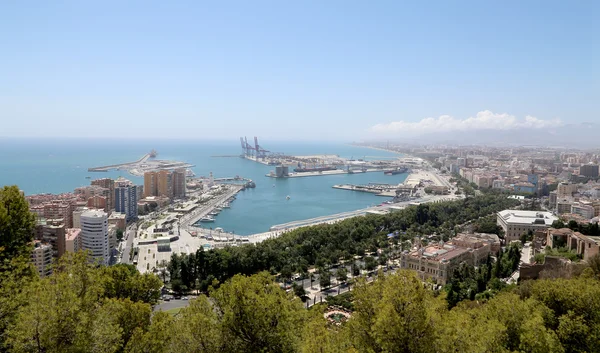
pixel 581 135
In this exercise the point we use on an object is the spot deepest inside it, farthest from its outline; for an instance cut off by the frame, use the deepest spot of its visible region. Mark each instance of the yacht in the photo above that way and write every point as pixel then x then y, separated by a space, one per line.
pixel 207 219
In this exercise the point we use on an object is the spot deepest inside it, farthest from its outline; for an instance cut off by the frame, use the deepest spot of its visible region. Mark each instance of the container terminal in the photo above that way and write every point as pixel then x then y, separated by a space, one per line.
pixel 147 163
pixel 287 166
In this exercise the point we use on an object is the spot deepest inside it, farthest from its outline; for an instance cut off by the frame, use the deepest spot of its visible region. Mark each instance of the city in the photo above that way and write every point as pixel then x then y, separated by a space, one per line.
pixel 299 177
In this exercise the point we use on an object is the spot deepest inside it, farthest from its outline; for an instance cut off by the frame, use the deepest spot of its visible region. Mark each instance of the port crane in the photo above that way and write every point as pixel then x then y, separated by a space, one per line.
pixel 247 149
pixel 255 151
pixel 260 152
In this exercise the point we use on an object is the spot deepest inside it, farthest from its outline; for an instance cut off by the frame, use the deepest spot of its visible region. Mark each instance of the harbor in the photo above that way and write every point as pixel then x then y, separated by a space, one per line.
pixel 296 166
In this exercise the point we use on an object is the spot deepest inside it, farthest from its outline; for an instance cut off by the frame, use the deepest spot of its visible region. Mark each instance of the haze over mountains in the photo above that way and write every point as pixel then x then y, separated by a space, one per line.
pixel 489 128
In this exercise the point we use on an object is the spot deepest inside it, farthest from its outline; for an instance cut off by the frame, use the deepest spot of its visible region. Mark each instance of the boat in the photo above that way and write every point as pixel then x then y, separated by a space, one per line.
pixel 207 219
pixel 395 171
pixel 226 205
pixel 213 213
pixel 287 197
pixel 88 177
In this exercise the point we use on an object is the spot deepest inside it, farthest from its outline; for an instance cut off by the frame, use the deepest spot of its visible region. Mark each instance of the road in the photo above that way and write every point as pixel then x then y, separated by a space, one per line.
pixel 129 235
pixel 172 304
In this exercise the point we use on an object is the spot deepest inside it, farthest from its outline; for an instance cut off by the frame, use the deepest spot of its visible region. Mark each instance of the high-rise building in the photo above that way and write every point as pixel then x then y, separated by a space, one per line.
pixel 179 183
pixel 73 240
pixel 99 202
pixel 53 234
pixel 55 210
pixel 41 258
pixel 109 184
pixel 126 198
pixel 150 184
pixel 589 170
pixel 165 184
pixel 94 235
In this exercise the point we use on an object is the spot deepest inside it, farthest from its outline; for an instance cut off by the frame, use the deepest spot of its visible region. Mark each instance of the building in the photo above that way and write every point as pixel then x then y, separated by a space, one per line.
pixel 77 216
pixel 165 184
pixel 589 170
pixel 482 243
pixel 99 202
pixel 552 199
pixel 73 239
pixel 55 210
pixel 126 198
pixel 516 222
pixel 584 245
pixel 41 258
pixel 179 183
pixel 526 187
pixel 435 262
pixel 585 211
pixel 109 184
pixel 53 234
pixel 118 220
pixel 94 235
pixel 565 190
pixel 563 206
pixel 150 184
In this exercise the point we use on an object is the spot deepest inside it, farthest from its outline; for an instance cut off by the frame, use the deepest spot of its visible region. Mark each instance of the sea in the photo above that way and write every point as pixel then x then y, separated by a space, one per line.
pixel 60 165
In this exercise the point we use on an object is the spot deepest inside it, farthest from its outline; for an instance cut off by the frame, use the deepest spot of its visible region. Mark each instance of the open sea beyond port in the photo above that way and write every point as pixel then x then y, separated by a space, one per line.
pixel 55 166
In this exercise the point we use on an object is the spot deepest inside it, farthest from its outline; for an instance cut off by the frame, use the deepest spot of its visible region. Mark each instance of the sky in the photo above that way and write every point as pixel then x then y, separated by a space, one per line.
pixel 295 70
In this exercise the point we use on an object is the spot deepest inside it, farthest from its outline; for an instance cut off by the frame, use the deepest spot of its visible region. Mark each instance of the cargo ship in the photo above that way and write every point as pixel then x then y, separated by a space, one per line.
pixel 396 171
pixel 316 169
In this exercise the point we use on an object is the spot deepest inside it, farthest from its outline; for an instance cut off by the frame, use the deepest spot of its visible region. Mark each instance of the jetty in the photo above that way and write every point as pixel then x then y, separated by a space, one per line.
pixel 145 164
pixel 377 189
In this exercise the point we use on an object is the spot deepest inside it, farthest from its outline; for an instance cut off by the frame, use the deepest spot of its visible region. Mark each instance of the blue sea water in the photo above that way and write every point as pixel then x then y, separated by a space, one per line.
pixel 55 166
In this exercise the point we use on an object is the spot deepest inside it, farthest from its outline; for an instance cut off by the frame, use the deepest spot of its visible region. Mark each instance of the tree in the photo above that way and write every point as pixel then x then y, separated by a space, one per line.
pixel 61 313
pixel 370 263
pixel 341 274
pixel 125 281
pixel 197 328
pixel 298 290
pixel 257 315
pixel 355 269
pixel 119 234
pixel 16 235
pixel 16 226
pixel 391 315
pixel 324 279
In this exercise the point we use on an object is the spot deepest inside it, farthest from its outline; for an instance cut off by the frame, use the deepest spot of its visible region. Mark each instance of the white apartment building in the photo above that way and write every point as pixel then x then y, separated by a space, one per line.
pixel 94 235
pixel 41 258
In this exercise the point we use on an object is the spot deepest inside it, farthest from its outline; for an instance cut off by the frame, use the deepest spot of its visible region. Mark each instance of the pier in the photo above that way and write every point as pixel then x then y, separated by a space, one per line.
pixel 377 189
pixel 145 164
pixel 122 165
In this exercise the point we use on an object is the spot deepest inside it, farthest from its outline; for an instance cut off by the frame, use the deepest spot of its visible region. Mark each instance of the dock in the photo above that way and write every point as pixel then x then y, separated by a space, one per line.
pixel 377 189
pixel 145 164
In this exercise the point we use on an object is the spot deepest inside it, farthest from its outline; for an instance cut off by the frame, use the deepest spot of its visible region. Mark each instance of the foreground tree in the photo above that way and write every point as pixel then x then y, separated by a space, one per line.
pixel 16 234
pixel 257 315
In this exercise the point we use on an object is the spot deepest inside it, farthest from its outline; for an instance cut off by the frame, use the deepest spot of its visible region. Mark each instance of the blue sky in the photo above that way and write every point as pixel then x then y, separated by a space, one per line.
pixel 304 70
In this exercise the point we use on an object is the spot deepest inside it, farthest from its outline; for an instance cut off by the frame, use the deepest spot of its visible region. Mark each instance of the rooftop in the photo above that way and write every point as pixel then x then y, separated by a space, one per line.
pixel 93 214
pixel 527 217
